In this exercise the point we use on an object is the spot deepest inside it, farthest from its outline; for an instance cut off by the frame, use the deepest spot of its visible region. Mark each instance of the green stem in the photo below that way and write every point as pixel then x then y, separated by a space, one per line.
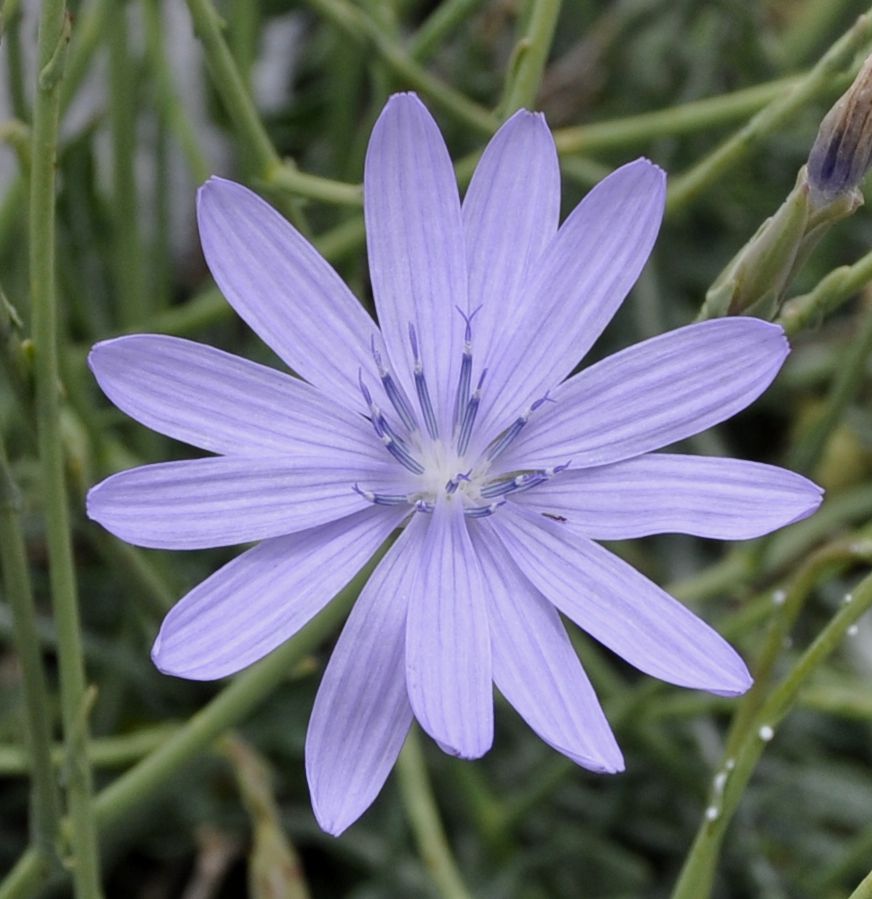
pixel 424 818
pixel 529 57
pixel 445 18
pixel 231 88
pixel 831 292
pixel 105 752
pixel 849 377
pixel 695 881
pixel 359 26
pixel 129 263
pixel 686 118
pixel 16 581
pixel 819 80
pixel 90 27
pixel 168 103
pixel 53 37
pixel 10 28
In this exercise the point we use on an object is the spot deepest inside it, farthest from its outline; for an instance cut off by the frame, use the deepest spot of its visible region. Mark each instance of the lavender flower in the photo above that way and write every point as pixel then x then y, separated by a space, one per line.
pixel 457 421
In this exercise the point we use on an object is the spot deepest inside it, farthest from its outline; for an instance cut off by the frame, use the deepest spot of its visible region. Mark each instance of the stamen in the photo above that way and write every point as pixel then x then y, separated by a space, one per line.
pixel 462 396
pixel 392 441
pixel 381 499
pixel 400 452
pixel 422 505
pixel 482 511
pixel 499 444
pixel 421 387
pixel 394 392
pixel 452 485
pixel 523 481
pixel 469 414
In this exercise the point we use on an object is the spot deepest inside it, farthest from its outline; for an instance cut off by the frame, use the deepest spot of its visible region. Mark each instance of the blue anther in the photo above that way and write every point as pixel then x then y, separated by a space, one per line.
pixel 401 453
pixel 422 505
pixel 469 414
pixel 499 444
pixel 393 391
pixel 381 499
pixel 421 387
pixel 482 511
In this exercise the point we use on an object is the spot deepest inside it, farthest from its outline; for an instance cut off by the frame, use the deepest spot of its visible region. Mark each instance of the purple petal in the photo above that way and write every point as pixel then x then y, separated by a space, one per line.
pixel 362 712
pixel 448 657
pixel 725 499
pixel 582 278
pixel 653 394
pixel 415 242
pixel 225 404
pixel 619 607
pixel 263 597
pixel 536 668
pixel 222 501
pixel 282 287
pixel 510 213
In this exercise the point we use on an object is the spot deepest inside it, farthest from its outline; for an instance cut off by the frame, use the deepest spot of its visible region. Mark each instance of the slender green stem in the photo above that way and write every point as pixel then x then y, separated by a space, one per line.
pixel 849 377
pixel 168 103
pixel 10 29
pixel 818 81
pixel 16 582
pixel 697 874
pixel 129 262
pixel 90 27
pixel 686 118
pixel 831 292
pixel 349 19
pixel 445 18
pixel 288 177
pixel 53 36
pixel 529 57
pixel 232 705
pixel 231 87
pixel 105 752
pixel 424 818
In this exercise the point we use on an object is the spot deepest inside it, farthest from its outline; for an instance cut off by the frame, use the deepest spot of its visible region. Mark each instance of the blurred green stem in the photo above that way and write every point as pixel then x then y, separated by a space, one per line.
pixel 864 889
pixel 424 817
pixel 129 263
pixel 697 875
pixel 529 57
pixel 819 80
pixel 358 25
pixel 10 29
pixel 807 451
pixel 836 288
pixel 54 31
pixel 16 582
pixel 445 18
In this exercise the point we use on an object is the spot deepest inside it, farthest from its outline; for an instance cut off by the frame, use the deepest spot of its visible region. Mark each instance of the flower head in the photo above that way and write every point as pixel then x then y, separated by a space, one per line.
pixel 458 421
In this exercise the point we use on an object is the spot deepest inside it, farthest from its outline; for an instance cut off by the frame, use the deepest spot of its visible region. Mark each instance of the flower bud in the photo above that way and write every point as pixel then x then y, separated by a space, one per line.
pixel 842 151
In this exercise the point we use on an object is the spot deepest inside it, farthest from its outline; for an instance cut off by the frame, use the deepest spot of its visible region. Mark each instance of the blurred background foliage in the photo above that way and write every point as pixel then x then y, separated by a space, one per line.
pixel 144 121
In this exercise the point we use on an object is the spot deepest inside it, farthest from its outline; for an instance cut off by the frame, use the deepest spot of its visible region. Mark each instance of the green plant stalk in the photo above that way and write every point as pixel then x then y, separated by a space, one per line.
pixel 46 809
pixel 791 602
pixel 168 104
pixel 357 25
pixel 847 382
pixel 90 27
pixel 530 55
pixel 129 262
pixel 53 36
pixel 686 118
pixel 231 88
pixel 232 705
pixel 104 752
pixel 831 292
pixel 697 875
pixel 423 816
pixel 818 81
pixel 446 18
pixel 10 28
